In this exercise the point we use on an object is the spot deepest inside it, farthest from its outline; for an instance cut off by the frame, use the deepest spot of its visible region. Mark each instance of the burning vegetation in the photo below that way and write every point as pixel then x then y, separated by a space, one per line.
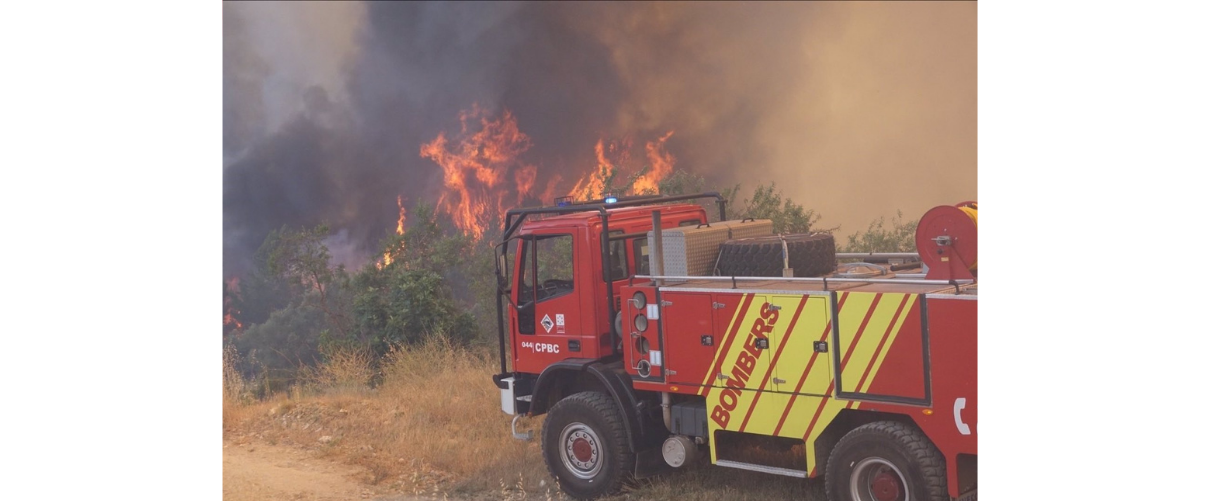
pixel 483 174
pixel 475 166
pixel 401 216
pixel 230 321
pixel 616 158
pixel 387 257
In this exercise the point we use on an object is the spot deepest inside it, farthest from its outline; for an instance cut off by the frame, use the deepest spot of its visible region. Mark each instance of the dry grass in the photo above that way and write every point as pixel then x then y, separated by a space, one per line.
pixel 433 426
pixel 236 393
pixel 349 370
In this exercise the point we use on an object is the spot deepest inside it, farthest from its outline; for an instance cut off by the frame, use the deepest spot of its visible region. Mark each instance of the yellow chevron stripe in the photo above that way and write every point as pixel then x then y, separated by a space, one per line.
pixel 720 342
pixel 851 316
pixel 827 416
pixel 761 365
pixel 765 418
pixel 791 365
pixel 910 300
pixel 858 359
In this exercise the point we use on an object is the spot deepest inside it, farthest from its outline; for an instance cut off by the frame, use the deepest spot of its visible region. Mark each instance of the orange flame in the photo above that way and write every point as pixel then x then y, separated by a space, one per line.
pixel 597 183
pixel 401 216
pixel 474 165
pixel 661 164
pixel 480 163
pixel 229 318
pixel 550 192
pixel 387 257
pixel 525 177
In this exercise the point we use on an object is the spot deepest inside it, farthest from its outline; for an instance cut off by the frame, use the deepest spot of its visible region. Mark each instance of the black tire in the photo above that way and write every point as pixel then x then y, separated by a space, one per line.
pixel 586 446
pixel 808 254
pixel 884 461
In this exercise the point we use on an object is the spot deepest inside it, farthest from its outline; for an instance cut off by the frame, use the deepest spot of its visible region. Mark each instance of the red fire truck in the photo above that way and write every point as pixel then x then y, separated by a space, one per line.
pixel 864 374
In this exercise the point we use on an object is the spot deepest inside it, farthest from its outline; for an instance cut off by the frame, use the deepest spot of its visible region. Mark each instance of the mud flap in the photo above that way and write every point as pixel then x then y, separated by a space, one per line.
pixel 650 463
pixel 973 495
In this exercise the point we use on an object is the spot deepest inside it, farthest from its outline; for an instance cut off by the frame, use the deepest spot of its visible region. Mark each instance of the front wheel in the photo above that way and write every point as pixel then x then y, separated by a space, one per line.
pixel 885 461
pixel 586 446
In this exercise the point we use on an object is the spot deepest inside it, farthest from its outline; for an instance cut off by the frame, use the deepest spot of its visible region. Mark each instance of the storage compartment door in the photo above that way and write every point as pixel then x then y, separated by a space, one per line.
pixel 690 337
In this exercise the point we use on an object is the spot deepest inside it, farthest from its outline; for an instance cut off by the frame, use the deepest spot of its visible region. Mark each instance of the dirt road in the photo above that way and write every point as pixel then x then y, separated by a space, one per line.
pixel 257 471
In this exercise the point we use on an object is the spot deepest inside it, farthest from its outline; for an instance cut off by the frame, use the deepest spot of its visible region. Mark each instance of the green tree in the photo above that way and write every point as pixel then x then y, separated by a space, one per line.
pixel 402 305
pixel 259 291
pixel 900 237
pixel 287 340
pixel 482 285
pixel 301 260
pixel 411 291
pixel 426 244
pixel 682 182
pixel 768 203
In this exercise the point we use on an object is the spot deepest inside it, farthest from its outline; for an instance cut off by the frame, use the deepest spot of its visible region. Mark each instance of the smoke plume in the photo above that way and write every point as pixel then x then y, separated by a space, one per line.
pixel 854 109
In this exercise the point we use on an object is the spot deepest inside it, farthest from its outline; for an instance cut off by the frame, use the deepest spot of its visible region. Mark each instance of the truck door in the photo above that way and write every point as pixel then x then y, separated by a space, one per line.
pixel 798 344
pixel 690 337
pixel 548 303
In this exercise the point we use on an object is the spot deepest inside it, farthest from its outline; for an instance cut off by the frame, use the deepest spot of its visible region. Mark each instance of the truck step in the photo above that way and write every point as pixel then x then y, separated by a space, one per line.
pixel 764 469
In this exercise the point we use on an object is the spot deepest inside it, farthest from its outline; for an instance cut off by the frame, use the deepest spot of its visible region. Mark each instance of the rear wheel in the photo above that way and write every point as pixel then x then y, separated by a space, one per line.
pixel 586 446
pixel 885 461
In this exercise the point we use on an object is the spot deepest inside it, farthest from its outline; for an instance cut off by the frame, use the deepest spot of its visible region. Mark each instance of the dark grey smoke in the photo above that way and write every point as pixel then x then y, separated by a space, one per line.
pixel 333 135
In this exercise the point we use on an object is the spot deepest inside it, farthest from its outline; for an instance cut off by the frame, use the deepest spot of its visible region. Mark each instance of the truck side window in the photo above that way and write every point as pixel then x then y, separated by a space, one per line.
pixel 554 266
pixel 619 257
pixel 526 305
pixel 527 273
pixel 640 249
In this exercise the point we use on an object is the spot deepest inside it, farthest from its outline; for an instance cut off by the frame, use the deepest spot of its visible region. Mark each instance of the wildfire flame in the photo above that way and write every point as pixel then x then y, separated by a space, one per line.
pixel 661 164
pixel 401 216
pixel 600 181
pixel 595 183
pixel 474 165
pixel 387 257
pixel 483 175
pixel 229 319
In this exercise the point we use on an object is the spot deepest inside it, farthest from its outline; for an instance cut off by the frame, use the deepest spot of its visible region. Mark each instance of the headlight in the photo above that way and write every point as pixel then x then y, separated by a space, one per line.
pixel 642 323
pixel 639 300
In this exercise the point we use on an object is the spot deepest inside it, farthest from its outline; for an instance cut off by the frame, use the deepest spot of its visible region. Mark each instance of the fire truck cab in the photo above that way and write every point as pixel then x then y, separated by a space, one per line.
pixel 861 375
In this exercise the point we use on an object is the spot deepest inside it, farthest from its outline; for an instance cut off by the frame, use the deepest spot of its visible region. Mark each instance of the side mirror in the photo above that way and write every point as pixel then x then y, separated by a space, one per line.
pixel 500 267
